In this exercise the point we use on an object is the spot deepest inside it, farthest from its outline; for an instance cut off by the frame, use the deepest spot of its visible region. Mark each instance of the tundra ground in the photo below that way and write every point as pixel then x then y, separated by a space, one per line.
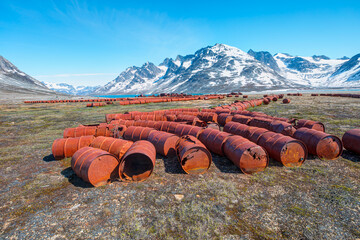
pixel 43 198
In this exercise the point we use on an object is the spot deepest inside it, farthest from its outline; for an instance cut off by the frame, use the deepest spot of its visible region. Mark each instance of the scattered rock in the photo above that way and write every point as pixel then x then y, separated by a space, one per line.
pixel 178 197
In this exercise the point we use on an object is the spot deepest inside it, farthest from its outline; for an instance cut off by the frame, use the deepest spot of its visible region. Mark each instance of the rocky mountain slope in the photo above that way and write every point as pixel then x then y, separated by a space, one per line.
pixel 222 68
pixel 14 81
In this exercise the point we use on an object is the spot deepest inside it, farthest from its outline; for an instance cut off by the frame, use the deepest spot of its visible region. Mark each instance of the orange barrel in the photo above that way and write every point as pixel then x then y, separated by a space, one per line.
pixel 106 130
pixel 79 131
pixel 260 122
pixel 193 156
pixel 183 129
pixel 189 119
pixel 214 140
pixel 138 162
pixel 324 145
pixel 66 147
pixel 310 124
pixel 145 123
pixel 224 118
pixel 241 119
pixel 246 155
pixel 351 140
pixel 117 147
pixel 137 133
pixel 95 166
pixel 282 127
pixel 285 100
pixel 287 150
pixel 207 116
pixel 164 142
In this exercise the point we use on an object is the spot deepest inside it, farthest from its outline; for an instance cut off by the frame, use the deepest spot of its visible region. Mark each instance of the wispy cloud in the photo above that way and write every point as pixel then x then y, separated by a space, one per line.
pixel 77 75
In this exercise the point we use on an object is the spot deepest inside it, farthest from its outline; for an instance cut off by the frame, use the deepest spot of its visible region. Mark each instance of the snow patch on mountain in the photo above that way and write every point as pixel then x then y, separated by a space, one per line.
pixel 71 90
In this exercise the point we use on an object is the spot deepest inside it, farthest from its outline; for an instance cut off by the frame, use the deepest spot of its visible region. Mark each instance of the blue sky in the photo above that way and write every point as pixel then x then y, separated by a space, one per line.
pixel 91 42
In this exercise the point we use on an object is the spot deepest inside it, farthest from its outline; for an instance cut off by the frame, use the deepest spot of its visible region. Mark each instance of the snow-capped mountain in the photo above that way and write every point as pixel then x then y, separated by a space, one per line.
pixel 222 68
pixel 12 80
pixel 348 74
pixel 309 71
pixel 219 68
pixel 72 90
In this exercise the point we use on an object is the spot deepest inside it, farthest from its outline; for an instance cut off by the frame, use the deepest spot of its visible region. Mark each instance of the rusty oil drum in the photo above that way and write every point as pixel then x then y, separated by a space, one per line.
pixel 79 131
pixel 138 162
pixel 246 155
pixel 351 140
pixel 164 142
pixel 214 140
pixel 193 156
pixel 66 147
pixel 284 149
pixel 324 145
pixel 183 129
pixel 117 147
pixel 224 118
pixel 137 133
pixel 310 124
pixel 95 166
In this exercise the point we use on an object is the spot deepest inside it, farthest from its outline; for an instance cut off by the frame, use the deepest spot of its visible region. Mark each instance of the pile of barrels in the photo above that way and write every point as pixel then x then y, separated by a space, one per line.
pixel 336 95
pixel 125 146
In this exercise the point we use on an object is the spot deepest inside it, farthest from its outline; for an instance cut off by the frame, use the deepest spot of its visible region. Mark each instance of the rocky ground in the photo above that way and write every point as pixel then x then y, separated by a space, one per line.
pixel 43 198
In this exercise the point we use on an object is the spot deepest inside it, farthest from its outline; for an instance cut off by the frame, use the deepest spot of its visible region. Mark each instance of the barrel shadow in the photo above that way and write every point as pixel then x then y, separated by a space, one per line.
pixel 172 165
pixel 225 165
pixel 49 158
pixel 75 180
pixel 350 156
pixel 274 163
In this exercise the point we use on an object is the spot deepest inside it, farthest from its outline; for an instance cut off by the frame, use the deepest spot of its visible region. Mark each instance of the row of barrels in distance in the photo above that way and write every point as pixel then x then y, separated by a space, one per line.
pixel 142 100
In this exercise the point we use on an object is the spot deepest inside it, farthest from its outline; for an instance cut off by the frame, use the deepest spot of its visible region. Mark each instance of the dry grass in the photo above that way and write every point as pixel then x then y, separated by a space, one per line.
pixel 42 198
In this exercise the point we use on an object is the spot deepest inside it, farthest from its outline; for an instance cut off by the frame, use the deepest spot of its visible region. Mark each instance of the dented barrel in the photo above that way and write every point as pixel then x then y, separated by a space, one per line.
pixel 246 155
pixel 318 143
pixel 351 140
pixel 282 127
pixel 138 162
pixel 95 166
pixel 193 156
